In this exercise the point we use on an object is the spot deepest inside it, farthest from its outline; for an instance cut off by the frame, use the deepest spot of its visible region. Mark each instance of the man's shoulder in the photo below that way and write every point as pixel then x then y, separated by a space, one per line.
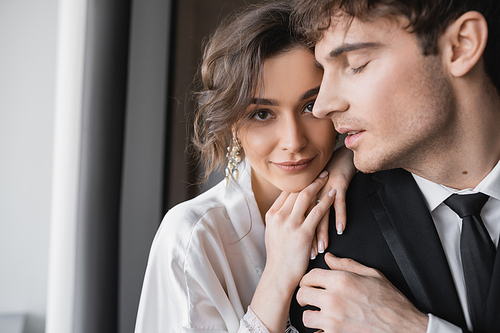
pixel 383 176
pixel 363 184
pixel 363 237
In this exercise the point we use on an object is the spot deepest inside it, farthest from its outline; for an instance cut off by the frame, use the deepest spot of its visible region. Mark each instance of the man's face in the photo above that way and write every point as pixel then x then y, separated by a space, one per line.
pixel 395 104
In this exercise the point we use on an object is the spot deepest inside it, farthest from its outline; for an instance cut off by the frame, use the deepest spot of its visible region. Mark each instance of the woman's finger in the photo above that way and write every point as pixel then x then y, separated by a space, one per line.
pixel 340 212
pixel 287 207
pixel 322 232
pixel 320 210
pixel 314 248
pixel 313 203
pixel 307 194
pixel 342 170
pixel 280 201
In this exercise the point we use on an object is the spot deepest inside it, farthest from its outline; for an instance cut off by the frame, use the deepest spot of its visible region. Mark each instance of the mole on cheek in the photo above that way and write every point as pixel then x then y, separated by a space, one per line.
pixel 465 172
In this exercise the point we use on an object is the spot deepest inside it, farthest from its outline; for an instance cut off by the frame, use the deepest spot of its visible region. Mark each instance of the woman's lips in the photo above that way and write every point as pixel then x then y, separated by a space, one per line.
pixel 294 166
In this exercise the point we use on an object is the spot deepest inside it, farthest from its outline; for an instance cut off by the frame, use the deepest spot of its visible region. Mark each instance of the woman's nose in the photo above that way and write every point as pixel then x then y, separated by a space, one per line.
pixel 292 136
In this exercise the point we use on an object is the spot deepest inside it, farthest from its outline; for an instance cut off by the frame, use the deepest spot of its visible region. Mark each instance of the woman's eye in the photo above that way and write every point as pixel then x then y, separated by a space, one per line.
pixel 309 106
pixel 262 115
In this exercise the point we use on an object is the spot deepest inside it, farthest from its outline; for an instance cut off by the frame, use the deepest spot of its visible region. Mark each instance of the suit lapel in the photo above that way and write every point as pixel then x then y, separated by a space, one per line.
pixel 408 228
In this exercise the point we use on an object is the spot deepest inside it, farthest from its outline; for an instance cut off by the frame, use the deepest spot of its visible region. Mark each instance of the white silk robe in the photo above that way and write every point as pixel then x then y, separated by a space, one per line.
pixel 205 262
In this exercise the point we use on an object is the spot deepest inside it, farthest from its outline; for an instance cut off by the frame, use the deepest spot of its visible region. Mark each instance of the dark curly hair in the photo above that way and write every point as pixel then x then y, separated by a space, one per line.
pixel 428 19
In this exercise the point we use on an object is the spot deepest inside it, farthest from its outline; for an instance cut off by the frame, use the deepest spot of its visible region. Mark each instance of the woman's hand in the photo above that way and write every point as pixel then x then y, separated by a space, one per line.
pixel 291 224
pixel 290 228
pixel 341 170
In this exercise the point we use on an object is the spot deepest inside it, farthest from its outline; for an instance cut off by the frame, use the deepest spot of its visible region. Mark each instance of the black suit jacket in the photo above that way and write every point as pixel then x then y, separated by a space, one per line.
pixel 389 228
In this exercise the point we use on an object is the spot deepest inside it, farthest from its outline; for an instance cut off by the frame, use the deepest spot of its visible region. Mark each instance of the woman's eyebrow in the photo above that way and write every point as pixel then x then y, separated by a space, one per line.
pixel 272 102
pixel 310 93
pixel 264 101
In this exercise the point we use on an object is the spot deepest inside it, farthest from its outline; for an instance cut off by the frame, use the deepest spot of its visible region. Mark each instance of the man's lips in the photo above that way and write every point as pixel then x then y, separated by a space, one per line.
pixel 352 136
pixel 294 166
pixel 348 130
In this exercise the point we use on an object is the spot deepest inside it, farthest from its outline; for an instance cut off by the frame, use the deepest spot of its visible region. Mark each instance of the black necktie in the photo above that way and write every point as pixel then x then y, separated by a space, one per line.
pixel 477 251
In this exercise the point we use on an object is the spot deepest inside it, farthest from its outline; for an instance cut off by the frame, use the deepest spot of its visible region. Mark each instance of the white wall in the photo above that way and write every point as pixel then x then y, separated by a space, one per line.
pixel 28 34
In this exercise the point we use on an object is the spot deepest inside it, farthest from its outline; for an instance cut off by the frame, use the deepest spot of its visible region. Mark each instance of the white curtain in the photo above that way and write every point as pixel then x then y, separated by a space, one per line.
pixel 67 143
pixel 87 170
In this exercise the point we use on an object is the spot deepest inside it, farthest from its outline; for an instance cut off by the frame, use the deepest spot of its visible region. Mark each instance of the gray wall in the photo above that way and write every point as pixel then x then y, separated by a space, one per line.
pixel 28 33
pixel 194 20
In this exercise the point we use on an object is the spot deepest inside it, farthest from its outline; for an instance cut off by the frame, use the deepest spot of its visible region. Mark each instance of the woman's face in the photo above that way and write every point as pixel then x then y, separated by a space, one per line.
pixel 285 144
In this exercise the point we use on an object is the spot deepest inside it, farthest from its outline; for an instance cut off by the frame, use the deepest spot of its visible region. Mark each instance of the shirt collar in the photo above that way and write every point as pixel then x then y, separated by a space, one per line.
pixel 434 194
pixel 490 185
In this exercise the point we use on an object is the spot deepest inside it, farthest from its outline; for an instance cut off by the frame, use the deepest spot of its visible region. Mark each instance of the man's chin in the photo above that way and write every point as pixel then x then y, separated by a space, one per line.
pixel 369 165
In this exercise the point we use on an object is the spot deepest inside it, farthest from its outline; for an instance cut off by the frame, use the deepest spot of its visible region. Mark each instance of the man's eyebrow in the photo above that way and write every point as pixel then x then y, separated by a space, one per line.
pixel 309 93
pixel 352 47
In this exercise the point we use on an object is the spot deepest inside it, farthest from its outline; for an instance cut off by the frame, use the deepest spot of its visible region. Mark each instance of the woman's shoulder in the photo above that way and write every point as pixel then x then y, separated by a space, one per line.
pixel 219 216
pixel 205 212
pixel 193 210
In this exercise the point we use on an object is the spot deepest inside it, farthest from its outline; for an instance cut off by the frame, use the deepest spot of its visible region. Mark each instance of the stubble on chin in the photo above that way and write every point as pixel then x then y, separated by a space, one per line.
pixel 370 163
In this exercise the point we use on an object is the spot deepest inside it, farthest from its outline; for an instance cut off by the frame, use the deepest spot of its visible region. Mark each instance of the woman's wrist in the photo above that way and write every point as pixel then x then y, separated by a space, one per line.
pixel 279 282
pixel 271 301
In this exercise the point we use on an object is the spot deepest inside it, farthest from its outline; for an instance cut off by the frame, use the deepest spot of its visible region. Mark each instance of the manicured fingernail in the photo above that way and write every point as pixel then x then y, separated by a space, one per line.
pixel 323 174
pixel 321 246
pixel 332 192
pixel 313 254
pixel 339 229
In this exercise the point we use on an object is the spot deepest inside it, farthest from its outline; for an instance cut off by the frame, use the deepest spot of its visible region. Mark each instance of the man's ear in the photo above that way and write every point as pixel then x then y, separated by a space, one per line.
pixel 463 42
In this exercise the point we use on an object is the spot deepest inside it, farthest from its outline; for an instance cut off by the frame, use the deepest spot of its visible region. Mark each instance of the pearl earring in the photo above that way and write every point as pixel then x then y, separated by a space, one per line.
pixel 233 160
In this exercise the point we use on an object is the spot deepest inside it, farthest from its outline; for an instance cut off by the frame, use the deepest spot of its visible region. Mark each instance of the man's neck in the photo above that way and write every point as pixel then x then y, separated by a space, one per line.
pixel 471 151
pixel 458 176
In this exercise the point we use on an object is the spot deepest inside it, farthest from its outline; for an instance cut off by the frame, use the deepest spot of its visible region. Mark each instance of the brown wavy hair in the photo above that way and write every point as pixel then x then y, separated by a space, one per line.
pixel 428 19
pixel 231 72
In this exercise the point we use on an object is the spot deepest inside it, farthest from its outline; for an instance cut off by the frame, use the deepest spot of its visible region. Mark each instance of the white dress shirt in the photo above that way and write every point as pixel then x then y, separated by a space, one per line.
pixel 205 262
pixel 449 226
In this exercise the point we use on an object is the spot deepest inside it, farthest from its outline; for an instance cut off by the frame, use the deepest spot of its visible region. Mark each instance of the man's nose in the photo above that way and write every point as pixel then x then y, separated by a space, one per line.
pixel 330 99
